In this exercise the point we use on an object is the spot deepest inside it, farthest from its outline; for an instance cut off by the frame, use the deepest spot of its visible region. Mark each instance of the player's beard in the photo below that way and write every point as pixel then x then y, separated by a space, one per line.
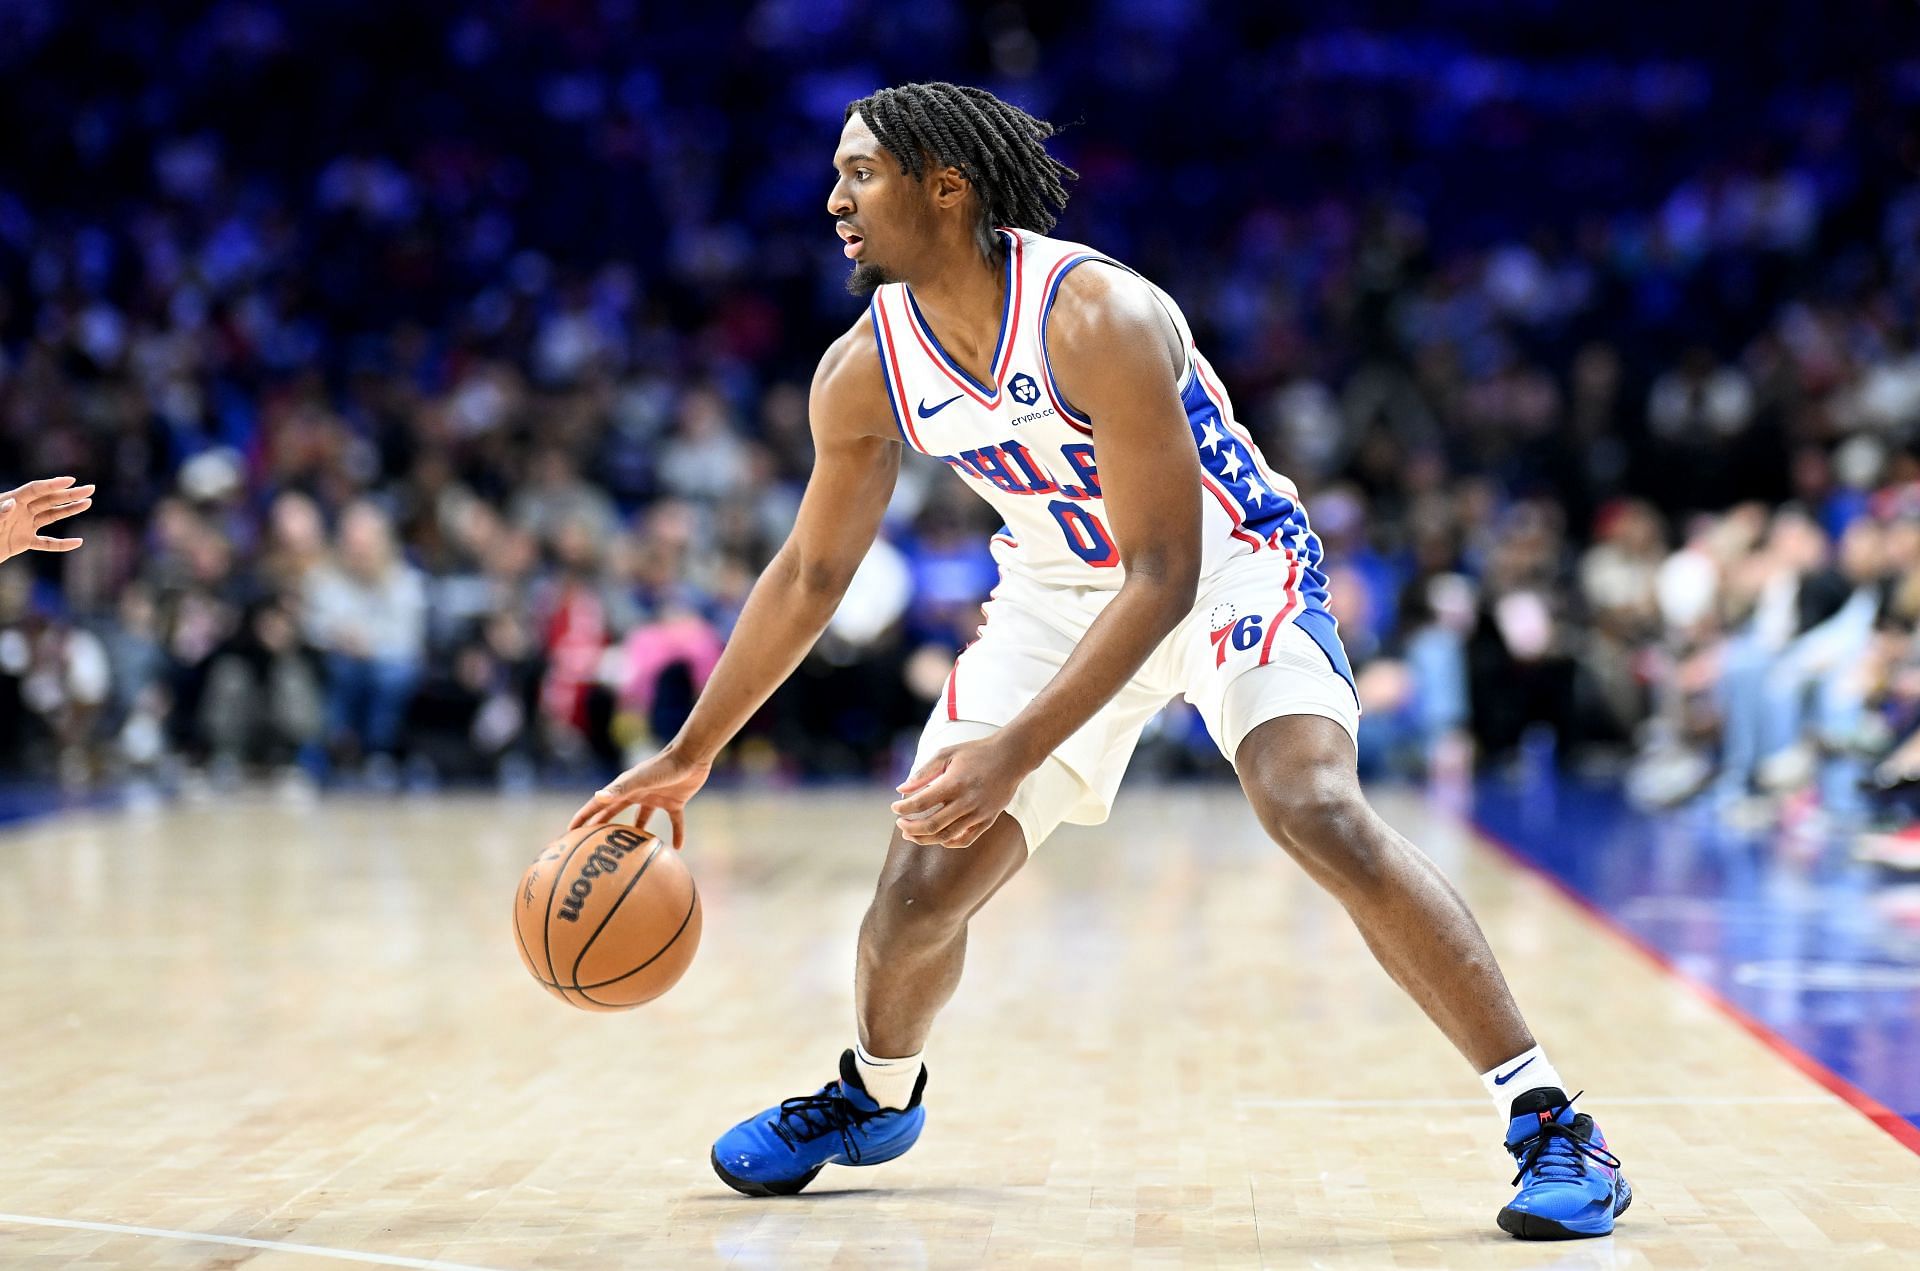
pixel 867 278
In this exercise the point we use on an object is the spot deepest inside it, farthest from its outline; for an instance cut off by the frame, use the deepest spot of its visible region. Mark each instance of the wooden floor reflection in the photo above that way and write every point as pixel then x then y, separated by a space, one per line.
pixel 306 1033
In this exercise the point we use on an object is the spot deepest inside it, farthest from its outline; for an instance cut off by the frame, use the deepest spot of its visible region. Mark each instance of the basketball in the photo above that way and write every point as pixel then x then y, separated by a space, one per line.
pixel 607 918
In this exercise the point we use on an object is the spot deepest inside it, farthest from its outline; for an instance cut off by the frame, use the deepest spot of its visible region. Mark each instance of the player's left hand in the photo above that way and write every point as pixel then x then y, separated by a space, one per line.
pixel 951 799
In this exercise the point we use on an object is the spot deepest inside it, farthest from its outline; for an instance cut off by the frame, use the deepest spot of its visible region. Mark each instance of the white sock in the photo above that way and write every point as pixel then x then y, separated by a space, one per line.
pixel 1529 1070
pixel 889 1082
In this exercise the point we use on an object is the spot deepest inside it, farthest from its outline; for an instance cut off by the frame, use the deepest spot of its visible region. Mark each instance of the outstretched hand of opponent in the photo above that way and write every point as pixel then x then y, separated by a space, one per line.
pixel 662 783
pixel 31 508
pixel 951 799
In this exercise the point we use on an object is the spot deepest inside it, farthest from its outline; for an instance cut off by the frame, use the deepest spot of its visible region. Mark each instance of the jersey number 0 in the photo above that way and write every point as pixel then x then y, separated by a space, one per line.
pixel 1086 537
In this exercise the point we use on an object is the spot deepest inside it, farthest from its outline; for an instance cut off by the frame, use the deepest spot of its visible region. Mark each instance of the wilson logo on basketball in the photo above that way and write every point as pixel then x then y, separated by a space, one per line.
pixel 606 859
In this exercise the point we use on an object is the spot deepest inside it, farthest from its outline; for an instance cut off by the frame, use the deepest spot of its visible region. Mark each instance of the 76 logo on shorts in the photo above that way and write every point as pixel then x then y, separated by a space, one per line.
pixel 1241 633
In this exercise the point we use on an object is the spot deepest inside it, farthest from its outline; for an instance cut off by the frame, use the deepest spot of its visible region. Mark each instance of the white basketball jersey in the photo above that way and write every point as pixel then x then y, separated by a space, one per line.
pixel 1034 458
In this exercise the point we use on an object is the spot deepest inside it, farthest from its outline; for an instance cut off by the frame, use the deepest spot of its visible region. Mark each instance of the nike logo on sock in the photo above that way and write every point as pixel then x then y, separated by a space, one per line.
pixel 925 413
pixel 1500 1080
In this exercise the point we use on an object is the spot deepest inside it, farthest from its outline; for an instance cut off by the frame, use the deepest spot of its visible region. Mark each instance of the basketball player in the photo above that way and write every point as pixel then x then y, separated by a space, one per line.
pixel 1149 551
pixel 34 506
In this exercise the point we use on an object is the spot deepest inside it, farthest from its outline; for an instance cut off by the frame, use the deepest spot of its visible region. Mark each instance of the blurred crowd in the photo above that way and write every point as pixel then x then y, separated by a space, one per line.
pixel 443 371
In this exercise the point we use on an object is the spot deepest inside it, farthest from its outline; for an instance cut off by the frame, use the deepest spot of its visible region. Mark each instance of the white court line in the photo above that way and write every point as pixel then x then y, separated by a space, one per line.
pixel 1605 1101
pixel 245 1242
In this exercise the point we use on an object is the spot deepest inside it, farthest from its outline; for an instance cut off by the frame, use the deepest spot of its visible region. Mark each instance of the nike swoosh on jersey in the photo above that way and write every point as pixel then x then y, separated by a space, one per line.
pixel 929 414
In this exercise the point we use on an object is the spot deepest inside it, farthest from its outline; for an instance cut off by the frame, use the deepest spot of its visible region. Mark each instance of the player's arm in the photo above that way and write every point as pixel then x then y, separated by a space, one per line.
pixel 857 453
pixel 1116 358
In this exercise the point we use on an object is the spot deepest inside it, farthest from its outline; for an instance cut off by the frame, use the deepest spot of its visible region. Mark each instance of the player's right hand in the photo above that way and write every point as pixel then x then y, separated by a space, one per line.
pixel 663 783
pixel 31 508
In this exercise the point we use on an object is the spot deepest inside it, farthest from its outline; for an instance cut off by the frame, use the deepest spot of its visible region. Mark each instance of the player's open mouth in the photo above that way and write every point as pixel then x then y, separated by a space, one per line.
pixel 854 243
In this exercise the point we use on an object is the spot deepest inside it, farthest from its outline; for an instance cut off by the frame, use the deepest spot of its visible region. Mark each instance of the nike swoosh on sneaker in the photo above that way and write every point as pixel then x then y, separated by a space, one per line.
pixel 929 414
pixel 1499 1080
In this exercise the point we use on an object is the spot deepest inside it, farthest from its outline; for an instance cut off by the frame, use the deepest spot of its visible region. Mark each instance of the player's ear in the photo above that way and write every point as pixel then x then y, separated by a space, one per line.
pixel 949 186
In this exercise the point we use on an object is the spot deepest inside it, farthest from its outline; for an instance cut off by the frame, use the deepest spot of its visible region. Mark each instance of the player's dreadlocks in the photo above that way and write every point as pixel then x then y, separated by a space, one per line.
pixel 997 146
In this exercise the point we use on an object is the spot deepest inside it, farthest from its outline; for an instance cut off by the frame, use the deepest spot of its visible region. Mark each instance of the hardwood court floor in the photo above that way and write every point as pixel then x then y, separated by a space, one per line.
pixel 308 1034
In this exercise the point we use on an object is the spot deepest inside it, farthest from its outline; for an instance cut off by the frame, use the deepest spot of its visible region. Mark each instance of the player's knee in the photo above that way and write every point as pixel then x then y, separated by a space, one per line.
pixel 1322 819
pixel 1314 815
pixel 924 902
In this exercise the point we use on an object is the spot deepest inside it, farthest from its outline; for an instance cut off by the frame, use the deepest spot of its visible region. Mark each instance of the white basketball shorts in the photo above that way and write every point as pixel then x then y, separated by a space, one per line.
pixel 1247 653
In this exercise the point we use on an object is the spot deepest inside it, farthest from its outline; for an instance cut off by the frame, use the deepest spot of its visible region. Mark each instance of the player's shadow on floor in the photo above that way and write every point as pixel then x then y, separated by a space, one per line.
pixel 1279 1245
pixel 984 1197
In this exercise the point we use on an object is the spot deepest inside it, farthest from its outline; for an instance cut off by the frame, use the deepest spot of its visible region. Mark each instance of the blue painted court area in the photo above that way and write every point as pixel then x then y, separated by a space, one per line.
pixel 22 800
pixel 1820 949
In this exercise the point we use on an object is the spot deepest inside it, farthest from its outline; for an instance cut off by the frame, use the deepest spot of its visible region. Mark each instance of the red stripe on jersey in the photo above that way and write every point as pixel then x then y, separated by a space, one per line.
pixel 899 385
pixel 1013 321
pixel 1046 367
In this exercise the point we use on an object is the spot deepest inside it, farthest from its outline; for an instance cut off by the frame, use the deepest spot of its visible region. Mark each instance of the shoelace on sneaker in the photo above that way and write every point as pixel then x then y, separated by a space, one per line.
pixel 818 1114
pixel 1554 1151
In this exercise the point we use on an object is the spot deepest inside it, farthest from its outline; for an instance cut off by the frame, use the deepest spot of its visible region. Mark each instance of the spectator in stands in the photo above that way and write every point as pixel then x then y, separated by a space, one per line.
pixel 263 703
pixel 1415 701
pixel 1521 668
pixel 1618 581
pixel 1786 589
pixel 705 461
pixel 556 495
pixel 365 611
pixel 1813 697
pixel 1713 308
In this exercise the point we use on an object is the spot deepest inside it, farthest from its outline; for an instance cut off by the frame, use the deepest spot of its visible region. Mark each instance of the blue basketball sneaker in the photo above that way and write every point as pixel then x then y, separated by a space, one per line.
pixel 779 1151
pixel 1570 1185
